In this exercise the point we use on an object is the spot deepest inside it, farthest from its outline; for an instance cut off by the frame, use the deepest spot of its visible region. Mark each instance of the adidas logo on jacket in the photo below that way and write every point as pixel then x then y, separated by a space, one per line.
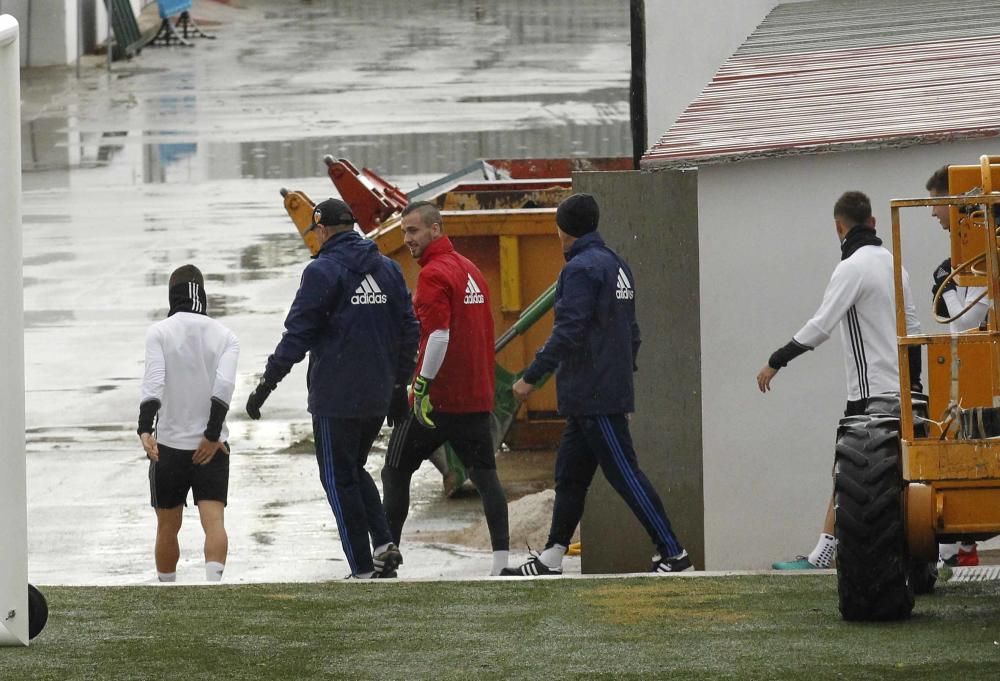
pixel 368 293
pixel 624 290
pixel 473 296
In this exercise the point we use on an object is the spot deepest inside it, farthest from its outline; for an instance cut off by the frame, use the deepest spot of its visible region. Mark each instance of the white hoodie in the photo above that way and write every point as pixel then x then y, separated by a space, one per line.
pixel 190 358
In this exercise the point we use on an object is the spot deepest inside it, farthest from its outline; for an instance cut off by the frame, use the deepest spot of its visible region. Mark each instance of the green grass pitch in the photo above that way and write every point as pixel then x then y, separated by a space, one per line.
pixel 756 627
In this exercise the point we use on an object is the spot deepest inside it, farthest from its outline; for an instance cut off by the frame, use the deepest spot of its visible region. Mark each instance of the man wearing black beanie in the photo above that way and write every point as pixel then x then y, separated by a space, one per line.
pixel 188 385
pixel 592 349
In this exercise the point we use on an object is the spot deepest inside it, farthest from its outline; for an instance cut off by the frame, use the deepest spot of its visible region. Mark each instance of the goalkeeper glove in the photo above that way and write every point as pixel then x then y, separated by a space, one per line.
pixel 422 402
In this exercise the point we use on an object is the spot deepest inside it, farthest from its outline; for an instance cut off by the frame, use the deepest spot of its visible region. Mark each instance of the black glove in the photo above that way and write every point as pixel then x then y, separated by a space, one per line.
pixel 257 398
pixel 399 407
pixel 940 274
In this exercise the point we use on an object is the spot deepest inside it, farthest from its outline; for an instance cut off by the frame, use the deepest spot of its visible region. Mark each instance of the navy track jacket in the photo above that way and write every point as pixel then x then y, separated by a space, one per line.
pixel 595 338
pixel 353 315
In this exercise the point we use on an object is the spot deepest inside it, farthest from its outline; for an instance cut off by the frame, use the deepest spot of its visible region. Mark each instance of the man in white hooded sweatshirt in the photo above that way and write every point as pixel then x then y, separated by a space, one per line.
pixel 186 391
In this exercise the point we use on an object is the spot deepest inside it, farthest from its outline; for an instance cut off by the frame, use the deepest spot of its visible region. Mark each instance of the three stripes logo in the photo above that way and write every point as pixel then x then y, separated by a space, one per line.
pixel 196 305
pixel 473 294
pixel 624 290
pixel 368 293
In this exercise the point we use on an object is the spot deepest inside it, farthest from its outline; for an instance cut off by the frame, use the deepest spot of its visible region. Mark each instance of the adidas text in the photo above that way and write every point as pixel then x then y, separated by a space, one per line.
pixel 624 294
pixel 368 293
pixel 368 299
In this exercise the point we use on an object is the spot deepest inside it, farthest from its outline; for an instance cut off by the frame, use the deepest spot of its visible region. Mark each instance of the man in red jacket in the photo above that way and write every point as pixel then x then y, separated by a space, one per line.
pixel 452 395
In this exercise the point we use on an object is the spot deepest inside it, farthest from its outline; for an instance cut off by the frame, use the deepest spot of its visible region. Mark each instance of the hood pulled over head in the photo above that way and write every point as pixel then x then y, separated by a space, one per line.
pixel 187 291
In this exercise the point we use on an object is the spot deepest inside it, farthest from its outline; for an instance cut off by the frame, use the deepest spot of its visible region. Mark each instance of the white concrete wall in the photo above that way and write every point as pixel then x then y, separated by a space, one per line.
pixel 686 43
pixel 13 495
pixel 50 32
pixel 767 248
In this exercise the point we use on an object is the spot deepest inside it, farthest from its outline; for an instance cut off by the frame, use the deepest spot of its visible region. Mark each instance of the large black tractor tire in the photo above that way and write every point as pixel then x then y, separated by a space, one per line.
pixel 872 565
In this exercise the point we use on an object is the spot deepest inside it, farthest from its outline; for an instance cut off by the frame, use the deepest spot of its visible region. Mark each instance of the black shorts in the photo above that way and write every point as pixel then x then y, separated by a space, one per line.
pixel 174 474
pixel 856 407
pixel 469 435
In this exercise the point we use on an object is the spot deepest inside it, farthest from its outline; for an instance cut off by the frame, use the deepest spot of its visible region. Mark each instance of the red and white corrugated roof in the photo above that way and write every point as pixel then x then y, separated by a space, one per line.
pixel 833 75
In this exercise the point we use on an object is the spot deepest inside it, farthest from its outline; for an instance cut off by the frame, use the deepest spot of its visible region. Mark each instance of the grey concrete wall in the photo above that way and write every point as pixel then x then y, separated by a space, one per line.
pixel 651 219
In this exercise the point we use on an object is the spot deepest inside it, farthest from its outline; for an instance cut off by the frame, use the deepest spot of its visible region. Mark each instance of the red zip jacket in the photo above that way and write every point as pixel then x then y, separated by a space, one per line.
pixel 451 294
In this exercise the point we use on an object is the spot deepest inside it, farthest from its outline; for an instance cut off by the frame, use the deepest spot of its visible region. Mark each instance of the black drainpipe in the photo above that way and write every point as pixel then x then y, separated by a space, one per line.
pixel 637 89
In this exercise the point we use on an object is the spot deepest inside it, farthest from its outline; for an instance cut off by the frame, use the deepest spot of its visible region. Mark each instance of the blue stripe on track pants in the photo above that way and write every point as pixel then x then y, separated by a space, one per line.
pixel 342 447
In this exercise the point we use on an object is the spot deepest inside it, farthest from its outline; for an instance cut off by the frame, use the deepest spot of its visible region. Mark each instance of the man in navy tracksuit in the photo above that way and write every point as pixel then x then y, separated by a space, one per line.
pixel 592 349
pixel 353 315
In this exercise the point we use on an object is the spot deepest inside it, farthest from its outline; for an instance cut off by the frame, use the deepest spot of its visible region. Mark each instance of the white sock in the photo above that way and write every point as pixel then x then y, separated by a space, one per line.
pixel 166 576
pixel 213 570
pixel 946 551
pixel 365 575
pixel 499 562
pixel 380 549
pixel 822 555
pixel 552 556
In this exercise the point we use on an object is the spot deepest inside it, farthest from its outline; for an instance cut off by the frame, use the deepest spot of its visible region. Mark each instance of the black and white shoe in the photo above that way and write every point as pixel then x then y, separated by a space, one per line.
pixel 676 564
pixel 533 568
pixel 387 562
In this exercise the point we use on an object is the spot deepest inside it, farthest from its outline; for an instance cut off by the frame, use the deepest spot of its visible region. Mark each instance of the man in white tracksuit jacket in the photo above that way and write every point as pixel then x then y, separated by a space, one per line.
pixel 861 299
pixel 187 388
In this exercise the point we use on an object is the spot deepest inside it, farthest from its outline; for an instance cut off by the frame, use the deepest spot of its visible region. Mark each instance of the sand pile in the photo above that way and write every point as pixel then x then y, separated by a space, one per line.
pixel 530 517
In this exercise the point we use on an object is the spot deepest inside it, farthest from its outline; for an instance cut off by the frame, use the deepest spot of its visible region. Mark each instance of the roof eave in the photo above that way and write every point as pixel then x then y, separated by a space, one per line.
pixel 653 162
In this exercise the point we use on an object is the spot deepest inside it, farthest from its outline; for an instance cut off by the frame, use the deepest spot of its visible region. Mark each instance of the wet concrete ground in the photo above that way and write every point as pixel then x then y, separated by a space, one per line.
pixel 177 157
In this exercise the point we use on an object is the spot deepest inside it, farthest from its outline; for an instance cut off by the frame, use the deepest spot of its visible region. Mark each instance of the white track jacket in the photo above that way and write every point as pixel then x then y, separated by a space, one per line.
pixel 861 298
pixel 957 300
pixel 190 358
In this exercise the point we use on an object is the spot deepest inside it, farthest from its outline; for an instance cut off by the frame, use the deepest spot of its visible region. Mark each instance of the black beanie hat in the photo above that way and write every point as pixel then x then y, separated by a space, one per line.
pixel 578 215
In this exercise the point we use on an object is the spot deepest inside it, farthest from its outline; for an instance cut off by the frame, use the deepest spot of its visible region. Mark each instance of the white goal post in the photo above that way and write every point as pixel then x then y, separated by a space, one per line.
pixel 13 493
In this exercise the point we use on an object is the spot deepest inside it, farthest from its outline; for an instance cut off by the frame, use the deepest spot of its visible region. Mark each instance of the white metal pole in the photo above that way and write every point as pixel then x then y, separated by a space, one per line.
pixel 13 493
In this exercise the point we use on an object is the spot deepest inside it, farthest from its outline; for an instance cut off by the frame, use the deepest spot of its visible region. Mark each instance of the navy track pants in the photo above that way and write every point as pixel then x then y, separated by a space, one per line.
pixel 605 441
pixel 342 447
